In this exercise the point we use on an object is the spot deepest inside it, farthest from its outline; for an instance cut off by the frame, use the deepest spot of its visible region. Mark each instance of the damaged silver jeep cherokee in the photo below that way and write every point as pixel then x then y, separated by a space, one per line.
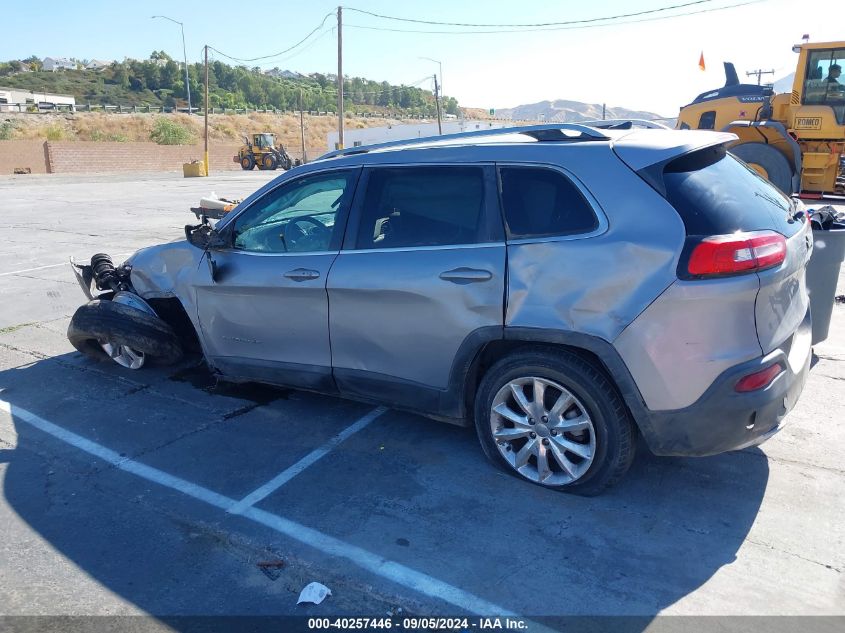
pixel 563 288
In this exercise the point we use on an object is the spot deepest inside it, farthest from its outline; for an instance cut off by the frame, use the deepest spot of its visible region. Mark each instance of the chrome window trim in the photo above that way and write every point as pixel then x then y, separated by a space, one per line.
pixel 598 211
pixel 439 247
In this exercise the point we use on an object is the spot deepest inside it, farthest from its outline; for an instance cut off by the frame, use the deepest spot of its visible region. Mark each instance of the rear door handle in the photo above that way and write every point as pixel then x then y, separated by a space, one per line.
pixel 302 274
pixel 466 275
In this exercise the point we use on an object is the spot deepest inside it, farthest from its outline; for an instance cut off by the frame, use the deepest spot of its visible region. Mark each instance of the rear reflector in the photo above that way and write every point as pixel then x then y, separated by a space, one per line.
pixel 737 253
pixel 759 379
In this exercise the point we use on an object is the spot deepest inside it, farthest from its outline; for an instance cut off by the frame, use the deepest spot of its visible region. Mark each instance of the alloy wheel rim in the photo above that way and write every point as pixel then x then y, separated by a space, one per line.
pixel 543 431
pixel 124 355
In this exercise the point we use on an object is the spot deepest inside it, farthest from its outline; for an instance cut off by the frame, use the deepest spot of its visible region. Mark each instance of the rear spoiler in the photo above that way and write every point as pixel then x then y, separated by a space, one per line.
pixel 647 152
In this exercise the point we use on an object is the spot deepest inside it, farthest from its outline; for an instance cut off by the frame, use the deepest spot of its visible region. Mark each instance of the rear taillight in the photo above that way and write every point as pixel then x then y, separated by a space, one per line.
pixel 759 379
pixel 737 253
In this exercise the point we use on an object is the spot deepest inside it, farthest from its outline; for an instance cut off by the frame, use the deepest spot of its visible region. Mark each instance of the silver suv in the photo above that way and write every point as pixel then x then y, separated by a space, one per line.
pixel 563 288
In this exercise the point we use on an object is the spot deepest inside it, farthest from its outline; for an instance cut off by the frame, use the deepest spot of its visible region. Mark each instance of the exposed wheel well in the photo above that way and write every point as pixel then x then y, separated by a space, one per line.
pixel 172 312
pixel 494 351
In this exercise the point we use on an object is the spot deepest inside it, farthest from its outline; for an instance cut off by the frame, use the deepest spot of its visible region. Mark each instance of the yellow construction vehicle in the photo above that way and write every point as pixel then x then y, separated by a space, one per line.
pixel 797 139
pixel 262 152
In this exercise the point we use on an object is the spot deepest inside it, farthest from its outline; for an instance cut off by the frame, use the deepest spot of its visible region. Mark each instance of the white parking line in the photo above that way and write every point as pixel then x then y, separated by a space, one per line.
pixel 289 473
pixel 29 270
pixel 386 569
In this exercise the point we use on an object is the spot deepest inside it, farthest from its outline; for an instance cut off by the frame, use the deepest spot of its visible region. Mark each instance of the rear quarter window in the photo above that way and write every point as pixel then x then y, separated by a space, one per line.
pixel 715 193
pixel 542 202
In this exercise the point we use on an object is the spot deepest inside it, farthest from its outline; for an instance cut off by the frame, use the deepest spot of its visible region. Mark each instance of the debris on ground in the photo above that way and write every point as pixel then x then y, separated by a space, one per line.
pixel 314 592
pixel 271 568
pixel 839 299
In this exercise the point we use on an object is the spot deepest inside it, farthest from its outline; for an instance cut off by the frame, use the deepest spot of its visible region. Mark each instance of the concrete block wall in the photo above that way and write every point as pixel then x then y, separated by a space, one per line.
pixel 23 154
pixel 92 157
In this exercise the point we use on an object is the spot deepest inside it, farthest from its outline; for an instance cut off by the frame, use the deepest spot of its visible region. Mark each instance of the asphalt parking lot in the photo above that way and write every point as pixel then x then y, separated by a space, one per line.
pixel 160 492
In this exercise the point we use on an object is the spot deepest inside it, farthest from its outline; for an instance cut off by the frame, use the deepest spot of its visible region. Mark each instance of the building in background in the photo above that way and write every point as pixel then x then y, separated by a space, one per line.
pixel 58 63
pixel 15 100
pixel 98 64
pixel 372 135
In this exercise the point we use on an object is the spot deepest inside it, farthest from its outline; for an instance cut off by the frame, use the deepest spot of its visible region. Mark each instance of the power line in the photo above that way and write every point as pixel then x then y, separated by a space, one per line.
pixel 612 17
pixel 555 28
pixel 280 53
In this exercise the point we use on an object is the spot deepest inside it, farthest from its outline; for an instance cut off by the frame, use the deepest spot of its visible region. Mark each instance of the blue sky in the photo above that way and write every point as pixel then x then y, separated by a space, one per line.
pixel 647 65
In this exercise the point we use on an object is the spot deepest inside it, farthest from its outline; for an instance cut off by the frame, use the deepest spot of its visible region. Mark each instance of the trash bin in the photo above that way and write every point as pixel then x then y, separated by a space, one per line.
pixel 194 169
pixel 823 274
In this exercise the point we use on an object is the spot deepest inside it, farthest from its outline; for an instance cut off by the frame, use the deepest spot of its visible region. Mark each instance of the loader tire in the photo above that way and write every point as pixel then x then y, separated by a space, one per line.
pixel 768 162
pixel 99 322
pixel 247 163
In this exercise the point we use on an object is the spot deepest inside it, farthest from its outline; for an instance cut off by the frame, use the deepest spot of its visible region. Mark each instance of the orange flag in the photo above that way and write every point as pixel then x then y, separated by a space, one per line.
pixel 701 61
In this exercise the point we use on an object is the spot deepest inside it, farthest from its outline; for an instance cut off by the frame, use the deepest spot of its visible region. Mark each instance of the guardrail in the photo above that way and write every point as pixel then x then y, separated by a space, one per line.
pixel 48 108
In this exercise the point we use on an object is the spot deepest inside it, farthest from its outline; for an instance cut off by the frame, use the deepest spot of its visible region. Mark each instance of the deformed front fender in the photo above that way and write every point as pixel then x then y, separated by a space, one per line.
pixel 165 271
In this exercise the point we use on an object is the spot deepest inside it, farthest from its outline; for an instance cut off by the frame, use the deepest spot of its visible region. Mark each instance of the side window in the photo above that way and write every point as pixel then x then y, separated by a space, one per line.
pixel 422 206
pixel 707 120
pixel 823 83
pixel 543 202
pixel 296 217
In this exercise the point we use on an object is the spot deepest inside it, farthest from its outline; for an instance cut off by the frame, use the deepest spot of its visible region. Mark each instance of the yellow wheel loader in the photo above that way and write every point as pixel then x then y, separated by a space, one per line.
pixel 797 139
pixel 261 151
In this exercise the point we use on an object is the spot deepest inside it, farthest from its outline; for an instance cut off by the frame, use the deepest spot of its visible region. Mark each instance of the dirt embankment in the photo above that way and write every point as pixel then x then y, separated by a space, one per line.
pixel 127 128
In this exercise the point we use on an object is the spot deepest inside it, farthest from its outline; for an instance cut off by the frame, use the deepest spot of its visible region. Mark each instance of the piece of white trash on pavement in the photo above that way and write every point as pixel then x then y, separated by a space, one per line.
pixel 314 592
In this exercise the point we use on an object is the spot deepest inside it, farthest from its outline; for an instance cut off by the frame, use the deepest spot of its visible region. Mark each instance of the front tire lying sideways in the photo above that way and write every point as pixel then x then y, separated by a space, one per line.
pixel 106 330
pixel 555 419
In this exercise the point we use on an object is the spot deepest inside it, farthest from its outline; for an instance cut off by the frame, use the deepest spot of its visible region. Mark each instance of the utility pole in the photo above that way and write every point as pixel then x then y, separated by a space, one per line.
pixel 437 101
pixel 302 128
pixel 205 109
pixel 340 77
pixel 759 72
pixel 184 55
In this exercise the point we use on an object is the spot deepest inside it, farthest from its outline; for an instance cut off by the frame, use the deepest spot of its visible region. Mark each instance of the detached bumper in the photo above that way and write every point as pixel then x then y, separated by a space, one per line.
pixel 724 420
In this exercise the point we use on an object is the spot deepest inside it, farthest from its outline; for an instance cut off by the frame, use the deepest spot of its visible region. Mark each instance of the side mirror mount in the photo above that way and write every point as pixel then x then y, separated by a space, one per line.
pixel 204 237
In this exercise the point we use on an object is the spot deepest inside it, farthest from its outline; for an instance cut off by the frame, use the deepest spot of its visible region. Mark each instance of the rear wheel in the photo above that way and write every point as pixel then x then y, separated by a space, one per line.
pixel 556 420
pixel 247 163
pixel 768 162
pixel 270 162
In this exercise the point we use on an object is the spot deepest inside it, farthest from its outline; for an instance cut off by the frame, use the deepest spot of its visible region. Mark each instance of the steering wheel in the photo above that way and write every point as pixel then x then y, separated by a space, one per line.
pixel 294 233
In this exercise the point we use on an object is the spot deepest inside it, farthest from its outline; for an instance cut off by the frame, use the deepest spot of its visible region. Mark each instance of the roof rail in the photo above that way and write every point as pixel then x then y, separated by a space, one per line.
pixel 626 124
pixel 547 132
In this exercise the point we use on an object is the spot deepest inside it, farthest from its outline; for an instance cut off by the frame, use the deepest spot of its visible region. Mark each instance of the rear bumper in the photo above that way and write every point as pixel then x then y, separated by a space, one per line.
pixel 724 420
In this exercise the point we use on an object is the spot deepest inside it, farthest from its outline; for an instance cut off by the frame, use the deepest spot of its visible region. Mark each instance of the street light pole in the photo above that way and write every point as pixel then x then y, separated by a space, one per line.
pixel 441 69
pixel 438 91
pixel 184 55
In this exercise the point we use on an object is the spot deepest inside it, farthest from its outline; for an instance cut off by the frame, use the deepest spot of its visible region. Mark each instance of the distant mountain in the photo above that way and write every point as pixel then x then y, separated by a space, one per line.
pixel 564 111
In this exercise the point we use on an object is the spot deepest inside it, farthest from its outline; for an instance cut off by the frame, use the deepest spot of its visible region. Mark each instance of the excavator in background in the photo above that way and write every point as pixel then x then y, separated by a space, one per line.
pixel 797 139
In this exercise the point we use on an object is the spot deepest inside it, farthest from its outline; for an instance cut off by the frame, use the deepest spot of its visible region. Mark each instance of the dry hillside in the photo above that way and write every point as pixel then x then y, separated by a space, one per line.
pixel 83 126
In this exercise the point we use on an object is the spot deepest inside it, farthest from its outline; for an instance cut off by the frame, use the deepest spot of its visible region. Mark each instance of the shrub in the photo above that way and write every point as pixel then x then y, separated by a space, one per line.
pixel 56 133
pixel 167 132
pixel 7 131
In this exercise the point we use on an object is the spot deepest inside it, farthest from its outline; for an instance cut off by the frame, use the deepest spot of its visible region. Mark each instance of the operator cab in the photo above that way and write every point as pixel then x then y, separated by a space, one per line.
pixel 265 140
pixel 823 83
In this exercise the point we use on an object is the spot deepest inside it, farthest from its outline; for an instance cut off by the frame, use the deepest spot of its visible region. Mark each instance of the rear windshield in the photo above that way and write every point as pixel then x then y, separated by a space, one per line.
pixel 716 194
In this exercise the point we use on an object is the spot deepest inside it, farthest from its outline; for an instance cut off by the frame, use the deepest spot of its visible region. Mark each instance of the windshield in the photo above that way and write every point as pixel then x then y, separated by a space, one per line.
pixel 823 82
pixel 264 140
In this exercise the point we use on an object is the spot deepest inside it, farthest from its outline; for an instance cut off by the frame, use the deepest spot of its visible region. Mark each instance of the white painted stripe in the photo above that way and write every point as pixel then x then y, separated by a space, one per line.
pixel 386 569
pixel 115 459
pixel 30 270
pixel 289 473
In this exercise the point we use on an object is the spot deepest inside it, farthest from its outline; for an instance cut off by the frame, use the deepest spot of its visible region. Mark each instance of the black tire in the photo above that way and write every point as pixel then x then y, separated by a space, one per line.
pixel 105 321
pixel 270 162
pixel 776 165
pixel 247 163
pixel 615 432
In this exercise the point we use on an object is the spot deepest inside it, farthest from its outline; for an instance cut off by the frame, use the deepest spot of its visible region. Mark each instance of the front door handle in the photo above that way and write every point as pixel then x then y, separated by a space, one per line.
pixel 302 274
pixel 466 275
